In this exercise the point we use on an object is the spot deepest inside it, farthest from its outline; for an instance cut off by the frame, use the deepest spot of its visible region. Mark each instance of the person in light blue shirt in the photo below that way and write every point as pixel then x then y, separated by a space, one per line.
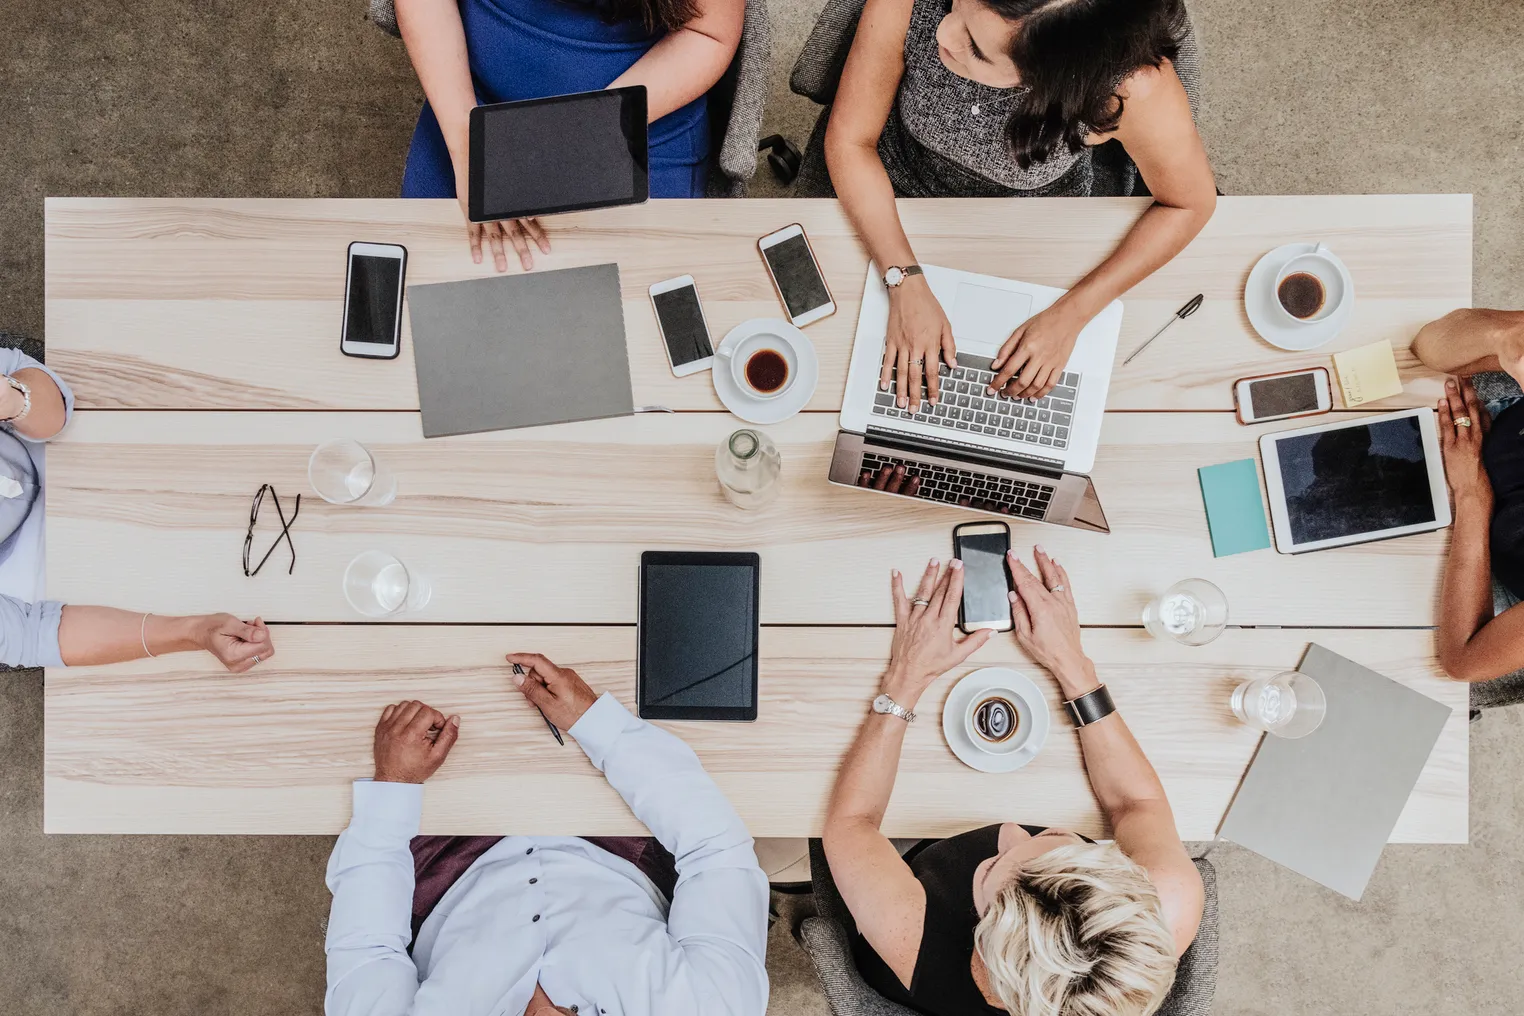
pixel 539 925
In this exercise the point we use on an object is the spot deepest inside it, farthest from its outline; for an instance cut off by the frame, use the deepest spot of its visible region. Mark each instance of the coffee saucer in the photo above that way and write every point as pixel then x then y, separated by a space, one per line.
pixel 1270 321
pixel 775 410
pixel 1031 708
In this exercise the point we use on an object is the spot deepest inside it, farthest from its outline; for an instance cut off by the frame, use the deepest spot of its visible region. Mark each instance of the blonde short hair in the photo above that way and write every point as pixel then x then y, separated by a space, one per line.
pixel 1078 931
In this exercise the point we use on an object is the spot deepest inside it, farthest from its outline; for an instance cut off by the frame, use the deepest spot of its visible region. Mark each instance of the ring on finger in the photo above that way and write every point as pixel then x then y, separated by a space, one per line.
pixel 918 361
pixel 1059 588
pixel 918 602
pixel 1463 421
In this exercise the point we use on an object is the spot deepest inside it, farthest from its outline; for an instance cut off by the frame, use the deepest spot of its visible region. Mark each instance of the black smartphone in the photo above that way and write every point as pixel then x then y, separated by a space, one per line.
pixel 373 287
pixel 982 547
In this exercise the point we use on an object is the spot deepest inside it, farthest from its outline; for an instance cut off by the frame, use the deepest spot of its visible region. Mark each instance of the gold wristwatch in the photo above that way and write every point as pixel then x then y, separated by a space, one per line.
pixel 895 275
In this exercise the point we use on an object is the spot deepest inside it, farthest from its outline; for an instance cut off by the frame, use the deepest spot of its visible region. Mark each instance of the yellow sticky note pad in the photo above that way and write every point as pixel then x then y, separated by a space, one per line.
pixel 1367 373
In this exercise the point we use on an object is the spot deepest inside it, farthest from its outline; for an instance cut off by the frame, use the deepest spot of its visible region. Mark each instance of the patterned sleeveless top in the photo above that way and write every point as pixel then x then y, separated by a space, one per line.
pixel 934 145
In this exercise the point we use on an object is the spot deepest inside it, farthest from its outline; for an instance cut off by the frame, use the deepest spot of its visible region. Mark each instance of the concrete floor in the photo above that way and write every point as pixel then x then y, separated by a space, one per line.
pixel 171 97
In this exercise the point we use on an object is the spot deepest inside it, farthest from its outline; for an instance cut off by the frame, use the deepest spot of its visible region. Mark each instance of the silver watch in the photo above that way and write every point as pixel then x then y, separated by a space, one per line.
pixel 895 275
pixel 885 704
pixel 26 398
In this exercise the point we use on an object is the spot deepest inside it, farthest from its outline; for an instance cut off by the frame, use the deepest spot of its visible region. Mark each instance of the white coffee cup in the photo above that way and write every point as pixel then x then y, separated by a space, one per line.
pixel 1021 713
pixel 750 346
pixel 1320 266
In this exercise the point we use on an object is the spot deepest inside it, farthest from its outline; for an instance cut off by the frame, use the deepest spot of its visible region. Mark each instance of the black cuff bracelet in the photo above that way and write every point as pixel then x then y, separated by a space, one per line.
pixel 1091 706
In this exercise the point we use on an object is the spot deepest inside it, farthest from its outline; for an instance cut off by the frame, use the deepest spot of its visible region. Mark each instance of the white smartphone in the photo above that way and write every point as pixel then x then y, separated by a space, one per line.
pixel 373 286
pixel 796 276
pixel 1282 396
pixel 680 319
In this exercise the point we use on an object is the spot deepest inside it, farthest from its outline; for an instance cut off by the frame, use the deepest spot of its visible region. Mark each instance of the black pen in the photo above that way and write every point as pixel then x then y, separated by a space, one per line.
pixel 1190 308
pixel 554 732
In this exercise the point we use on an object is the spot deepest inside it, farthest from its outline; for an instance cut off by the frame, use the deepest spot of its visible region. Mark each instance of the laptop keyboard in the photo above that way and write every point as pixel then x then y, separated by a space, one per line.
pixel 967 487
pixel 965 406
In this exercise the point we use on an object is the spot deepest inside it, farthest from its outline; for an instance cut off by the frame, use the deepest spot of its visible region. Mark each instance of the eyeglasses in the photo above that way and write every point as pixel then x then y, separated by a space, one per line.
pixel 285 530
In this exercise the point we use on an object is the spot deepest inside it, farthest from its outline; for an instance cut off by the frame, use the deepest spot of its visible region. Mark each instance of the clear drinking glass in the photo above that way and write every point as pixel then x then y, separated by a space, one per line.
pixel 345 472
pixel 1290 704
pixel 378 585
pixel 1192 612
pixel 750 469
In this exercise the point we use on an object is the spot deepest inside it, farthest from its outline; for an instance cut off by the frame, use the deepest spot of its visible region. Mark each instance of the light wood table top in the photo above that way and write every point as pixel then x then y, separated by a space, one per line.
pixel 202 340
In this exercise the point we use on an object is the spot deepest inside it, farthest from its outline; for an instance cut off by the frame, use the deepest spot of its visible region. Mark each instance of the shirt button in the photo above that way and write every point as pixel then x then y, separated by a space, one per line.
pixel 529 851
pixel 536 918
pixel 533 881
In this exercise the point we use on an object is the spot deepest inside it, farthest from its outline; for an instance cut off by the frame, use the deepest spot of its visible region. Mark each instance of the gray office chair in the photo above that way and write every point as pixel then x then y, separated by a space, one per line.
pixel 826 937
pixel 735 102
pixel 817 73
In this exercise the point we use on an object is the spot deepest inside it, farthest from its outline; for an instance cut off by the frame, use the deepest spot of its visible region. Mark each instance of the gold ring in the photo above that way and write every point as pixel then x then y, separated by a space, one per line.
pixel 1463 421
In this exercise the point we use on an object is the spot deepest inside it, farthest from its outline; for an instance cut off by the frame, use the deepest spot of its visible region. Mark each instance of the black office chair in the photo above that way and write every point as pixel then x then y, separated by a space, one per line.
pixel 735 102
pixel 826 937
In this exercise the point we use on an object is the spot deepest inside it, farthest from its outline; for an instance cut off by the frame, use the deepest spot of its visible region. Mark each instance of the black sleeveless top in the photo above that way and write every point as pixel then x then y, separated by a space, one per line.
pixel 942 984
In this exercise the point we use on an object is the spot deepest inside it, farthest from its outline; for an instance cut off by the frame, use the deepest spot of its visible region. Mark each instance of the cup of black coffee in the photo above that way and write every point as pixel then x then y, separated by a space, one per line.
pixel 995 723
pixel 1309 287
pixel 763 365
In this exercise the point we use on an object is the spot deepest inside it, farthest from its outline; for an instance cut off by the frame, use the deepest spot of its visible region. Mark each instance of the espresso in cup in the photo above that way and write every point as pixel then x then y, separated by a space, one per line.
pixel 767 371
pixel 1301 294
pixel 995 719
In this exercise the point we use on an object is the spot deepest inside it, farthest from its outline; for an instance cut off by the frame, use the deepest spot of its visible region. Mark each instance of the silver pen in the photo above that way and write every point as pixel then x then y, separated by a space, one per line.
pixel 1184 312
pixel 557 733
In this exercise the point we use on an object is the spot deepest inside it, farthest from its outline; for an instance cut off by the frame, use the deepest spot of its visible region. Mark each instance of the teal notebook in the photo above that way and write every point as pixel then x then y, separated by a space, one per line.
pixel 1234 509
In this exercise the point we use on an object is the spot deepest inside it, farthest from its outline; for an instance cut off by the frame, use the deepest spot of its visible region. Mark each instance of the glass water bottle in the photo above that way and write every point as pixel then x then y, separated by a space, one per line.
pixel 750 469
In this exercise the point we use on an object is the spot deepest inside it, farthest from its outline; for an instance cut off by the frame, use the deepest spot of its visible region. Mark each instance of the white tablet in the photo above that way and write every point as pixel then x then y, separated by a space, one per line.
pixel 1355 481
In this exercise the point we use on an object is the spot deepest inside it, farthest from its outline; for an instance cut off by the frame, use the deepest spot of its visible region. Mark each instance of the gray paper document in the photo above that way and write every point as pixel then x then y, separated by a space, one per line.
pixel 1324 805
pixel 520 350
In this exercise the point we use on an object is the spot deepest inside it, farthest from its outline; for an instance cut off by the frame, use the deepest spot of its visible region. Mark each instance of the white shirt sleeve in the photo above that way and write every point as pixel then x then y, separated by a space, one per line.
pixel 718 920
pixel 371 922
pixel 29 633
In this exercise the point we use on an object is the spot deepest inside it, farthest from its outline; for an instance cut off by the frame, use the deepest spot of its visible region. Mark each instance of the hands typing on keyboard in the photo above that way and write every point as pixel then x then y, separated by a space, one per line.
pixel 965 405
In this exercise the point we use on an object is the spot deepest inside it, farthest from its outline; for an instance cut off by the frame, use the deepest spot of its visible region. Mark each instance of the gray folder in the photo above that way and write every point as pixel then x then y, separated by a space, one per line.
pixel 1324 805
pixel 520 350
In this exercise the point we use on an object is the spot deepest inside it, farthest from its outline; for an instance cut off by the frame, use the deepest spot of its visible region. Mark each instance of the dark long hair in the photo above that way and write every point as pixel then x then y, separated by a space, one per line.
pixel 654 14
pixel 1072 55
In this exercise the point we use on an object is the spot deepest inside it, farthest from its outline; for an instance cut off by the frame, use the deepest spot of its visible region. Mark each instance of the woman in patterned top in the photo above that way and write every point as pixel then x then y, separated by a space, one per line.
pixel 992 98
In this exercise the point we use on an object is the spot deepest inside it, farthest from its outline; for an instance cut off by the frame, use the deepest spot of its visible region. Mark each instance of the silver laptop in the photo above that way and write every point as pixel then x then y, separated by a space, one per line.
pixel 1023 458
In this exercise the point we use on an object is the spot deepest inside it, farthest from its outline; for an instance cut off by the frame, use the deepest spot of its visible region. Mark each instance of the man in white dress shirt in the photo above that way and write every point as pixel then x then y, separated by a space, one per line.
pixel 549 924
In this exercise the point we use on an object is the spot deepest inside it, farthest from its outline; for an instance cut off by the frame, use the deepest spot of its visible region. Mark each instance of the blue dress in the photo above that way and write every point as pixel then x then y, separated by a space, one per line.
pixel 529 49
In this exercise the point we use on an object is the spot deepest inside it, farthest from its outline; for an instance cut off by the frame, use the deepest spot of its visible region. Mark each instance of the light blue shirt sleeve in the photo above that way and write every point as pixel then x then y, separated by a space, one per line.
pixel 29 633
pixel 12 360
pixel 718 918
pixel 370 924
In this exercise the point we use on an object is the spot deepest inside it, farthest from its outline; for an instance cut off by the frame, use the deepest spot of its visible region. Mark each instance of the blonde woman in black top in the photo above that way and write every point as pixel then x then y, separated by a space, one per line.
pixel 1025 920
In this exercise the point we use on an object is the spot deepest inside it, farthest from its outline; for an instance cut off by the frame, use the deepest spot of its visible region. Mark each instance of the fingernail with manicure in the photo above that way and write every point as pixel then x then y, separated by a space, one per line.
pixel 957 564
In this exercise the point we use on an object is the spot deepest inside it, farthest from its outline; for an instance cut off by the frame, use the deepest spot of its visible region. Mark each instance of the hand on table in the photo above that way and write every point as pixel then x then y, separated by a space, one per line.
pixel 1047 622
pixel 919 336
pixel 237 644
pixel 1462 446
pixel 925 646
pixel 1037 351
pixel 412 741
pixel 518 232
pixel 559 692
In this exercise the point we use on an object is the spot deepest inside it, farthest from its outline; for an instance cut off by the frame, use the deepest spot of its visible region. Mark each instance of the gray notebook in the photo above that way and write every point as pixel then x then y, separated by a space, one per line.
pixel 520 350
pixel 1324 805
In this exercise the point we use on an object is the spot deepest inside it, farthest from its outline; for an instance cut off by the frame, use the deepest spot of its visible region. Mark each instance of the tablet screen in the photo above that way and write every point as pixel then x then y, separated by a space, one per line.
pixel 698 636
pixel 1365 478
pixel 568 152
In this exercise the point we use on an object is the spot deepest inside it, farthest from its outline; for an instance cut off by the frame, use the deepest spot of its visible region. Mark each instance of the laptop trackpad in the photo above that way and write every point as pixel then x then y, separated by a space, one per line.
pixel 986 315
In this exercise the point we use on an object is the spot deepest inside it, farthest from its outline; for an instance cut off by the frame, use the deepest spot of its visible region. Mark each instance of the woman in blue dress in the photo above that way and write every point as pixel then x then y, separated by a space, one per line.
pixel 470 51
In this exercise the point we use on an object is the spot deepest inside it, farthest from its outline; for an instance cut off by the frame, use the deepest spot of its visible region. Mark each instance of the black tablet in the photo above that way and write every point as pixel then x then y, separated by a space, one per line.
pixel 698 636
pixel 561 154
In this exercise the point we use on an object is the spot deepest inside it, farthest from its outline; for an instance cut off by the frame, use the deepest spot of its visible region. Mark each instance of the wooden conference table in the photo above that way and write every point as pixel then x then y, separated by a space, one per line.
pixel 201 337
